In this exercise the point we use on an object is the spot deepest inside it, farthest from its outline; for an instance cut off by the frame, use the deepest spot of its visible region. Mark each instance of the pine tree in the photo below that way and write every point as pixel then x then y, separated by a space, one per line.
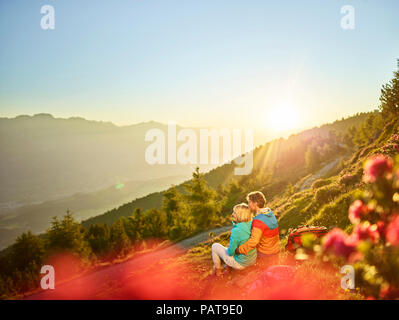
pixel 201 200
pixel 326 151
pixel 173 205
pixel 99 238
pixel 233 194
pixel 27 251
pixel 390 96
pixel 120 242
pixel 179 221
pixel 135 225
pixel 349 137
pixel 311 158
pixel 156 223
pixel 67 235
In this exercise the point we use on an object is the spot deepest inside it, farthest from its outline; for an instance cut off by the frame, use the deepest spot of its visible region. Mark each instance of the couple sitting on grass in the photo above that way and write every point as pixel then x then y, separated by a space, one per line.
pixel 250 238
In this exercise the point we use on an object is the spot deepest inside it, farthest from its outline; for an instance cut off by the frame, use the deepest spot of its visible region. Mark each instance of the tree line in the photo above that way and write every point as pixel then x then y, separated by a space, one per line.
pixel 182 214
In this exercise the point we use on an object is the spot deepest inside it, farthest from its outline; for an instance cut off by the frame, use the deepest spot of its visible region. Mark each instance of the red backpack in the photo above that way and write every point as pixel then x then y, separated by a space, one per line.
pixel 294 238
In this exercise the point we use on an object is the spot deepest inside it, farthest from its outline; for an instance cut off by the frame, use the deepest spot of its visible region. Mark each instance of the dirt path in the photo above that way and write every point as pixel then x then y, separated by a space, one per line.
pixel 92 285
pixel 308 182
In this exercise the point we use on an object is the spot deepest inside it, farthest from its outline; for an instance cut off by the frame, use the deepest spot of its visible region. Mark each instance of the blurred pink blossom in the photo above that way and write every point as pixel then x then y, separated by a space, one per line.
pixel 364 232
pixel 337 241
pixel 376 167
pixel 357 211
pixel 392 233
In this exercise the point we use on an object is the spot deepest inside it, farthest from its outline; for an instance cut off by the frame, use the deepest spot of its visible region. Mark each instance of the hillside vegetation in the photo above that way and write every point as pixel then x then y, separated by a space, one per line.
pixel 201 203
pixel 206 201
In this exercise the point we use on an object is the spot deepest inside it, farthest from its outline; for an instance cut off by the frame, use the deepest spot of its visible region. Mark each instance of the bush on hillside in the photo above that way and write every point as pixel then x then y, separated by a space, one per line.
pixel 320 183
pixel 334 213
pixel 327 193
pixel 348 180
pixel 391 148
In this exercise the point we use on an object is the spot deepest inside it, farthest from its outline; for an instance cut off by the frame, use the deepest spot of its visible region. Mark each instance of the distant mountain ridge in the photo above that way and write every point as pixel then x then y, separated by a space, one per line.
pixel 46 158
pixel 36 217
pixel 49 165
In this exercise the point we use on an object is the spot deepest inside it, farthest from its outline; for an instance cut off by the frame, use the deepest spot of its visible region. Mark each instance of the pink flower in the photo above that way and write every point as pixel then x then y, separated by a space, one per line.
pixel 337 241
pixel 357 211
pixel 377 167
pixel 381 227
pixel 364 232
pixel 392 233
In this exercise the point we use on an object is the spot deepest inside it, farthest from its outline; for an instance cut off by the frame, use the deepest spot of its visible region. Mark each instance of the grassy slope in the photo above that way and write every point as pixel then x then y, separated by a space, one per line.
pixel 302 207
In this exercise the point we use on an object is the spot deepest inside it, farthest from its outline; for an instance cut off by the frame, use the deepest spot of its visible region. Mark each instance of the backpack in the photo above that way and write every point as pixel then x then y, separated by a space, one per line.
pixel 294 238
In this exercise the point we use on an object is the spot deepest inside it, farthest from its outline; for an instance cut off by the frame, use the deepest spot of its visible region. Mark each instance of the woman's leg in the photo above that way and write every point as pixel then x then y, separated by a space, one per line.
pixel 219 253
pixel 217 250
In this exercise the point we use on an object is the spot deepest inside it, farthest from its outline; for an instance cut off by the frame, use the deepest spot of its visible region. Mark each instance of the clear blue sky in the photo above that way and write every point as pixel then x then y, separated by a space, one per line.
pixel 222 63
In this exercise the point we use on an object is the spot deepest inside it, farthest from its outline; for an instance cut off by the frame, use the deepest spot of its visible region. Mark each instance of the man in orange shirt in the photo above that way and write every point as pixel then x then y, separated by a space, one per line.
pixel 264 234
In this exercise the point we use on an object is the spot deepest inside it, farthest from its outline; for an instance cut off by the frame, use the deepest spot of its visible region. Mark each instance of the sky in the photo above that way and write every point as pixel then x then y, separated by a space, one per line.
pixel 226 63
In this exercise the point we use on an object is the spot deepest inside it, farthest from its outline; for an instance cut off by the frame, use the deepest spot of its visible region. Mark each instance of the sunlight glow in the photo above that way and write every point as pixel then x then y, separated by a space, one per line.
pixel 283 117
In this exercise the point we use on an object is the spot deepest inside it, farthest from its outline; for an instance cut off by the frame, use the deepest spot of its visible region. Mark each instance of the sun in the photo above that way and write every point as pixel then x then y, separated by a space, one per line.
pixel 283 117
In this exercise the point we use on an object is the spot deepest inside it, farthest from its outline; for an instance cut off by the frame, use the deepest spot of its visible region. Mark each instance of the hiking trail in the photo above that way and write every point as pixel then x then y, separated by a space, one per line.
pixel 308 182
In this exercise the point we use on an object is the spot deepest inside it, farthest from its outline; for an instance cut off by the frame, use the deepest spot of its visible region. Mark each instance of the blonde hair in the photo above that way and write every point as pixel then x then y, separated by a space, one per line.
pixel 243 214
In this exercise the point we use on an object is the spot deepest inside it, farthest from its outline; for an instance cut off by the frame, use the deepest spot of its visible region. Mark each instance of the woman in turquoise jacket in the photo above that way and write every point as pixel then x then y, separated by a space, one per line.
pixel 240 233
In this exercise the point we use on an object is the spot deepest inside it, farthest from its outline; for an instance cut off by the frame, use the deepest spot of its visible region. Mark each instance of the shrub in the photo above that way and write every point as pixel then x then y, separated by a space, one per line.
pixel 320 183
pixel 335 213
pixel 327 193
pixel 391 148
pixel 348 179
pixel 175 232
